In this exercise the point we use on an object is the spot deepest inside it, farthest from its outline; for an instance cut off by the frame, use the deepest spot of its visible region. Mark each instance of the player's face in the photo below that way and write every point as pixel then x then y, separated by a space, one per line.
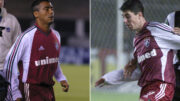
pixel 132 20
pixel 1 3
pixel 45 13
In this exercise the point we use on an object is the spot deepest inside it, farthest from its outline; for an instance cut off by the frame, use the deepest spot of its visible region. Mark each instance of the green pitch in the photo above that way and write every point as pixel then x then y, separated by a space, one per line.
pixel 113 96
pixel 78 79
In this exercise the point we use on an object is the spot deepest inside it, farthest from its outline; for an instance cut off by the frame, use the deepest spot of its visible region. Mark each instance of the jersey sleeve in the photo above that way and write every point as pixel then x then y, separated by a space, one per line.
pixel 11 66
pixel 59 74
pixel 165 37
pixel 117 77
pixel 114 77
pixel 170 19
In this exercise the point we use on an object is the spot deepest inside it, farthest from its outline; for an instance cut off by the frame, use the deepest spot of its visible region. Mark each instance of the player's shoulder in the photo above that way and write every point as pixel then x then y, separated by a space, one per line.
pixel 157 26
pixel 27 36
pixel 29 33
pixel 56 33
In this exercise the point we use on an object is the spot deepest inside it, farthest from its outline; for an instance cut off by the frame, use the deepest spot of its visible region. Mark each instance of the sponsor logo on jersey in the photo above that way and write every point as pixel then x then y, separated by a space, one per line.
pixel 46 61
pixel 41 48
pixel 147 55
pixel 147 42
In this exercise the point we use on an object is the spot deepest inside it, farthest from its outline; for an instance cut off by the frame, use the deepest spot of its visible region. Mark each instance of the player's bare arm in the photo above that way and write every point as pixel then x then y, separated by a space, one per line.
pixel 65 85
pixel 130 67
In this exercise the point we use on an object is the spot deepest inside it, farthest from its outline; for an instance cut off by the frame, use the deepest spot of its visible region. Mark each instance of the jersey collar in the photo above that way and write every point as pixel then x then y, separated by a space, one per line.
pixel 38 27
pixel 143 29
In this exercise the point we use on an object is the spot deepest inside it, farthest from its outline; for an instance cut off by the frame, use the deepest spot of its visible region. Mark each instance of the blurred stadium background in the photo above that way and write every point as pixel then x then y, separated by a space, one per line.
pixel 111 44
pixel 72 21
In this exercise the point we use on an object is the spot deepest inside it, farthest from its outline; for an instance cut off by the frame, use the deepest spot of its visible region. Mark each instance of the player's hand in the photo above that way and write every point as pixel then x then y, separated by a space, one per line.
pixel 19 99
pixel 176 30
pixel 100 82
pixel 65 85
pixel 129 68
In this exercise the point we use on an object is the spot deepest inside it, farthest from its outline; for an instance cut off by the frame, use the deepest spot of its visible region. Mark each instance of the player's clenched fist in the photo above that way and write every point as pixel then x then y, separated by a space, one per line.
pixel 65 85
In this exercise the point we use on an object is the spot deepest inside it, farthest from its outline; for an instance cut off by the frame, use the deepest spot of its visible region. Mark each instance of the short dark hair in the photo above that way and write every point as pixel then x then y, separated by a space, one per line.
pixel 35 3
pixel 134 6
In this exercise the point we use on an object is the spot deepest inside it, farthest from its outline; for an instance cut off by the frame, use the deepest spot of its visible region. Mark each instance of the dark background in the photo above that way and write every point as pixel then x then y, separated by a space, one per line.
pixel 67 12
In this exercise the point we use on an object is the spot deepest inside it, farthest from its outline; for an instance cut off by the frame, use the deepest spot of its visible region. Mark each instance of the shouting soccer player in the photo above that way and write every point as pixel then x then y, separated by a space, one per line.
pixel 34 58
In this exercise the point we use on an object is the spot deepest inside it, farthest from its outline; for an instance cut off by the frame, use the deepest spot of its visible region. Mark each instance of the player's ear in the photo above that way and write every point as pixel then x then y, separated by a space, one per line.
pixel 35 13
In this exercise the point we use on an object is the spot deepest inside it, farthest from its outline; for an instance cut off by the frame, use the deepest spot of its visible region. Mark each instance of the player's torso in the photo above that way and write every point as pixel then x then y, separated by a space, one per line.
pixel 6 25
pixel 43 59
pixel 150 58
pixel 146 50
pixel 6 35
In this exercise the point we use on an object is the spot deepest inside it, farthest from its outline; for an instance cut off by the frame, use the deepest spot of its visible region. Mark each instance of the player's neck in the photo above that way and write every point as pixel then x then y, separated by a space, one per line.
pixel 141 26
pixel 43 27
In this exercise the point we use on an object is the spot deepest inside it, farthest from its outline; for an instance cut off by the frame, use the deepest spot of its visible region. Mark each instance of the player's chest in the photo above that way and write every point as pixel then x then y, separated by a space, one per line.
pixel 146 49
pixel 145 44
pixel 45 45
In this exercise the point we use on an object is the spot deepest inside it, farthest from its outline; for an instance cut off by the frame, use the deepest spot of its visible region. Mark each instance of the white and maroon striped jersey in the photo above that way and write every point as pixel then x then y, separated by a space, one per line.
pixel 34 59
pixel 154 50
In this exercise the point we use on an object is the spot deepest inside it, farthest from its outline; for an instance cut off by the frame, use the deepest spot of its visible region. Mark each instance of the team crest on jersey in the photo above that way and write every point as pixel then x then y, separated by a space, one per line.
pixel 57 46
pixel 147 42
